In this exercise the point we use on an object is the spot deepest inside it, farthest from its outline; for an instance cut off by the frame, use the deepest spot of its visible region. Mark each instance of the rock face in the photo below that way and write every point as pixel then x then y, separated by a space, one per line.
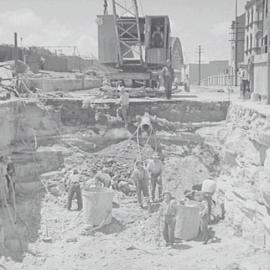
pixel 245 180
pixel 24 127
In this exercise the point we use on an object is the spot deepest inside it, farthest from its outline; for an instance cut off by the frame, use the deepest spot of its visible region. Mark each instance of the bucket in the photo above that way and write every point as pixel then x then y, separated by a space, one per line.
pixel 188 222
pixel 97 206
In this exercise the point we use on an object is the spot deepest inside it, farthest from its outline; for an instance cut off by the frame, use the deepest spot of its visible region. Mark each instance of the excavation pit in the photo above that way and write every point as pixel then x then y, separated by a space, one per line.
pixel 70 133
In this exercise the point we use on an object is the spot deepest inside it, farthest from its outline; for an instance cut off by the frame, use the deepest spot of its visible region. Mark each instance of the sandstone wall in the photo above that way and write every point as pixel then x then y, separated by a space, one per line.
pixel 65 85
pixel 244 183
pixel 182 111
pixel 24 128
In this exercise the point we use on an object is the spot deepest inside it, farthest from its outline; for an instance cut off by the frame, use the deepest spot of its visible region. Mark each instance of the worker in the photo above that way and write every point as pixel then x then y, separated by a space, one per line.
pixel 187 84
pixel 208 189
pixel 3 184
pixel 157 38
pixel 167 75
pixel 2 238
pixel 10 178
pixel 124 103
pixel 168 210
pixel 141 181
pixel 244 78
pixel 73 184
pixel 103 179
pixel 42 63
pixel 204 216
pixel 154 168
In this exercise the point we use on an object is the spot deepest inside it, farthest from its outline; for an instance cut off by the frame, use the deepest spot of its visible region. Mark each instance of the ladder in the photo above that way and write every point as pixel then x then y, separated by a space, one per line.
pixel 127 28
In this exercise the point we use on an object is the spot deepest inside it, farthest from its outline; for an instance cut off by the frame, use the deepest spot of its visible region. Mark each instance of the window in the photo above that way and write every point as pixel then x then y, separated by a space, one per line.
pixel 247 43
pixel 251 42
pixel 248 18
pixel 252 15
pixel 266 8
pixel 157 32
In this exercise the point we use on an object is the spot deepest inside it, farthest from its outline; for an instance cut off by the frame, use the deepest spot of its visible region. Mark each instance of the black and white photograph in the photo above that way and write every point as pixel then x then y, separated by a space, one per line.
pixel 135 134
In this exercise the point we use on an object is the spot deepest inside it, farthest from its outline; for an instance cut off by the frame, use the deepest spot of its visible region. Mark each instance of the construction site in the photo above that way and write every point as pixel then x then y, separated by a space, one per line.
pixel 62 116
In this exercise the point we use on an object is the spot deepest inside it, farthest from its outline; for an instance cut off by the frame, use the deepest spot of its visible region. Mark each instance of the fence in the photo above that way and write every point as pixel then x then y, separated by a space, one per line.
pixel 220 80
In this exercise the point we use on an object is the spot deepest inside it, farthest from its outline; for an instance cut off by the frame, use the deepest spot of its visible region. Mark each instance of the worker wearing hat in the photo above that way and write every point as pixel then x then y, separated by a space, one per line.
pixel 103 178
pixel 124 103
pixel 141 180
pixel 3 184
pixel 204 216
pixel 169 211
pixel 73 184
pixel 2 237
pixel 167 75
pixel 155 167
pixel 10 178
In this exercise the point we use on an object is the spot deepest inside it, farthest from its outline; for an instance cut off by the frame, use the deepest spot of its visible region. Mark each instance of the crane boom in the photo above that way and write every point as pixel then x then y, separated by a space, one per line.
pixel 127 28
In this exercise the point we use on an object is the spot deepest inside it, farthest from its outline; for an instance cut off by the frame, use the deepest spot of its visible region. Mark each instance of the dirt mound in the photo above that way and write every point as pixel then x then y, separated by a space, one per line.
pixel 188 165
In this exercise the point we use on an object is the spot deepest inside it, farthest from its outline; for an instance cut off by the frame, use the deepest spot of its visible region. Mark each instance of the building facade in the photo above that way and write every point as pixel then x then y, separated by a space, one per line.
pixel 253 28
pixel 266 27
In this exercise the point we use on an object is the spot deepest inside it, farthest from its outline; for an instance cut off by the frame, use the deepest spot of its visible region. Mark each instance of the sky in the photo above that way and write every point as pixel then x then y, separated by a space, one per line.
pixel 73 23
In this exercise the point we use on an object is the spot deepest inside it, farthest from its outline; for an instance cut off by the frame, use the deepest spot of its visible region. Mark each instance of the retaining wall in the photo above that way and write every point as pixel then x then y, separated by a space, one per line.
pixel 245 181
pixel 65 85
pixel 78 111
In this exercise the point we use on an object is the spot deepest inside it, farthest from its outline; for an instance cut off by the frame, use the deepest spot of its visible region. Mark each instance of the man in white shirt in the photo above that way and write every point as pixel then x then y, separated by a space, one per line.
pixel 74 188
pixel 124 102
pixel 168 211
pixel 244 77
pixel 141 179
pixel 154 168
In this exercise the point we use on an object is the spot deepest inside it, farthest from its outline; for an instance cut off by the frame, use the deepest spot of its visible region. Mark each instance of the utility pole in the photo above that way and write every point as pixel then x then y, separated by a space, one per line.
pixel 16 51
pixel 236 44
pixel 200 63
pixel 238 35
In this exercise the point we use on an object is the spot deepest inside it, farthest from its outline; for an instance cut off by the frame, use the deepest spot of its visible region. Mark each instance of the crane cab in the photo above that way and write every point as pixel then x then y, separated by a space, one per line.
pixel 157 40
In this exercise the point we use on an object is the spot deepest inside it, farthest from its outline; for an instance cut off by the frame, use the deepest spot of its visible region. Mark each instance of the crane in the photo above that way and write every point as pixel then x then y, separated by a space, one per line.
pixel 127 29
pixel 138 46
